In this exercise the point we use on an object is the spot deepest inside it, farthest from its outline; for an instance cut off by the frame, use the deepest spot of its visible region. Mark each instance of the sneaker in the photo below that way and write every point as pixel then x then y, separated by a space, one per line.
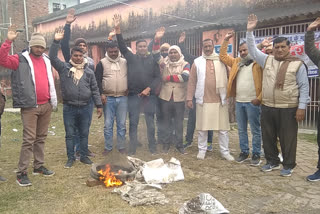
pixel 209 147
pixel 86 160
pixel 77 155
pixel 23 180
pixel 123 151
pixel 43 171
pixel 286 172
pixel 228 157
pixel 314 177
pixel 69 164
pixel 106 152
pixel 187 145
pixel 2 179
pixel 268 167
pixel 91 154
pixel 201 155
pixel 255 160
pixel 180 150
pixel 242 157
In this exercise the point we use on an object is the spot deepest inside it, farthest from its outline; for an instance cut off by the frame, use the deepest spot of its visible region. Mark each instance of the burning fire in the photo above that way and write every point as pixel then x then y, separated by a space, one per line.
pixel 108 178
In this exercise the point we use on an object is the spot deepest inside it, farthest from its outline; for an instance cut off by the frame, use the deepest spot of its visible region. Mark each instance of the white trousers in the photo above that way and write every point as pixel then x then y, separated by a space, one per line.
pixel 223 141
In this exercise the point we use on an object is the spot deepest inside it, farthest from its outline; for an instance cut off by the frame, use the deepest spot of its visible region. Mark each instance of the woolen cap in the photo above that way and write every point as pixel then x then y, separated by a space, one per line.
pixel 37 39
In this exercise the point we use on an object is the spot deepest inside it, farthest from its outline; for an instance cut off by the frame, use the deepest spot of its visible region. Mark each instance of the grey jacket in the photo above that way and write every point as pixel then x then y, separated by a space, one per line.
pixel 72 94
pixel 311 50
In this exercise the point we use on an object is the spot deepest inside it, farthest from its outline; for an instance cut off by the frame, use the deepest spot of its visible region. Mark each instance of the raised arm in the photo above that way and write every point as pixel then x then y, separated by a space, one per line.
pixel 53 52
pixel 311 50
pixel 188 57
pixel 65 48
pixel 6 60
pixel 224 57
pixel 253 50
pixel 122 45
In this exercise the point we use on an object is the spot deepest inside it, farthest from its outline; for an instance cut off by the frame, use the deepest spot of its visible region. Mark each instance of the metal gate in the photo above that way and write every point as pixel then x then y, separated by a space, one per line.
pixel 313 107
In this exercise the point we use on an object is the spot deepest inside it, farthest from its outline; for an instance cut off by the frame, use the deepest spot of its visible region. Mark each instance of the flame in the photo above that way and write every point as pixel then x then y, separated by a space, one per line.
pixel 108 178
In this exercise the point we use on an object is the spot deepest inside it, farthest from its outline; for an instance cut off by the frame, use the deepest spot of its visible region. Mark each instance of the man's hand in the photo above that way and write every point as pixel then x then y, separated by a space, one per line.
pixel 256 102
pixel 159 33
pixel 99 112
pixel 59 35
pixel 116 22
pixel 112 33
pixel 266 42
pixel 229 35
pixel 252 22
pixel 103 99
pixel 314 25
pixel 12 33
pixel 190 104
pixel 145 92
pixel 182 37
pixel 300 114
pixel 70 16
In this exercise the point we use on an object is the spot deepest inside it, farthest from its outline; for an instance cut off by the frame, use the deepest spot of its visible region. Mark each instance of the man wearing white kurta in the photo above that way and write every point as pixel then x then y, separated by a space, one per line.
pixel 208 83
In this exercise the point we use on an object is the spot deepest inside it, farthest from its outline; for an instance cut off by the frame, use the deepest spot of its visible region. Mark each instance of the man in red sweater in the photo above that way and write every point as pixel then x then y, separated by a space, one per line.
pixel 33 91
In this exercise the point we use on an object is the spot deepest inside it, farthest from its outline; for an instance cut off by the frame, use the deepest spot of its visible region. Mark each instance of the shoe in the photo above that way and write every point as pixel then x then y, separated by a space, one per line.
pixel 201 155
pixel 255 160
pixel 209 147
pixel 23 180
pixel 181 150
pixel 314 177
pixel 228 157
pixel 77 155
pixel 69 164
pixel 106 152
pixel 242 157
pixel 43 171
pixel 268 167
pixel 86 160
pixel 91 154
pixel 2 179
pixel 286 172
pixel 123 151
pixel 187 145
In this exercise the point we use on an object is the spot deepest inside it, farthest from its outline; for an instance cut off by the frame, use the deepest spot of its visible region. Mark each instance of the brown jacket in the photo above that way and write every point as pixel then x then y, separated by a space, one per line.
pixel 233 63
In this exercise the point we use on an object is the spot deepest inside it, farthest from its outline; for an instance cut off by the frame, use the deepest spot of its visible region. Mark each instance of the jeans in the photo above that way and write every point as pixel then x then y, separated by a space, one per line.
pixel 77 118
pixel 173 111
pixel 191 125
pixel 248 112
pixel 115 107
pixel 135 103
pixel 76 138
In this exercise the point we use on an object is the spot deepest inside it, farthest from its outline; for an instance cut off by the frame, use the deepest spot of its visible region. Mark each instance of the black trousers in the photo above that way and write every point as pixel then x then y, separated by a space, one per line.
pixel 172 111
pixel 318 139
pixel 279 122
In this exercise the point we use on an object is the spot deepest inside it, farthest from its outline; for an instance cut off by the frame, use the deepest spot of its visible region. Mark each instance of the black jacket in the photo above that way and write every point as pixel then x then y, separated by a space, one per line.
pixel 143 72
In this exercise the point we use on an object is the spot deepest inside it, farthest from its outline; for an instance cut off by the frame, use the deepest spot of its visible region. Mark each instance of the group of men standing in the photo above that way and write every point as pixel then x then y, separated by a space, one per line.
pixel 271 91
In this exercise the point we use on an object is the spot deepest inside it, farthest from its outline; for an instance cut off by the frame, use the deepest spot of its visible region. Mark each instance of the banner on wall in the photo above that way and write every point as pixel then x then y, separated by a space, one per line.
pixel 297 49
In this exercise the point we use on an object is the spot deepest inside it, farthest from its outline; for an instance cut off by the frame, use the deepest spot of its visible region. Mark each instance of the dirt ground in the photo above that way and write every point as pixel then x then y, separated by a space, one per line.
pixel 239 187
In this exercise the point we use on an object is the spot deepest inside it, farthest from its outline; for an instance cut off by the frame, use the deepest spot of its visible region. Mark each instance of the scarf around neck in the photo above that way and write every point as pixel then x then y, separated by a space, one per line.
pixel 245 61
pixel 115 66
pixel 281 75
pixel 77 70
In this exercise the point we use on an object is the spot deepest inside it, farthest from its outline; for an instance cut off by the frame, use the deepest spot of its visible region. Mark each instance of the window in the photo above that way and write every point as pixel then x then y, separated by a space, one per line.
pixel 55 7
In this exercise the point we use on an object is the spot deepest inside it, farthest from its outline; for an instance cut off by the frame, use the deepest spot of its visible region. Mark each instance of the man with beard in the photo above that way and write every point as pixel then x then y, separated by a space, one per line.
pixel 285 95
pixel 245 82
pixel 208 84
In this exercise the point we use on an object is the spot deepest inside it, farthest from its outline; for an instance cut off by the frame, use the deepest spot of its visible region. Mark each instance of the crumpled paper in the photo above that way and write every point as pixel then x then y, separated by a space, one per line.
pixel 158 172
pixel 203 204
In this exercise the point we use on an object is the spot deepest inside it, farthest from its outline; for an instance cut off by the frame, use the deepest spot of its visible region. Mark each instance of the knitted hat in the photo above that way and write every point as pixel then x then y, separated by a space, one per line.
pixel 37 39
pixel 164 46
pixel 79 40
pixel 175 47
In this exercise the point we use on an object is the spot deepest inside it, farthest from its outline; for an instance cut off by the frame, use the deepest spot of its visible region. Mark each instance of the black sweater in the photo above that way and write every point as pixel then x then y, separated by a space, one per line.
pixel 143 71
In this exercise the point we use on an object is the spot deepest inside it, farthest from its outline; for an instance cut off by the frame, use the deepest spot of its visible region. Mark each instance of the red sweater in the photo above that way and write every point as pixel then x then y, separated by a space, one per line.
pixel 40 71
